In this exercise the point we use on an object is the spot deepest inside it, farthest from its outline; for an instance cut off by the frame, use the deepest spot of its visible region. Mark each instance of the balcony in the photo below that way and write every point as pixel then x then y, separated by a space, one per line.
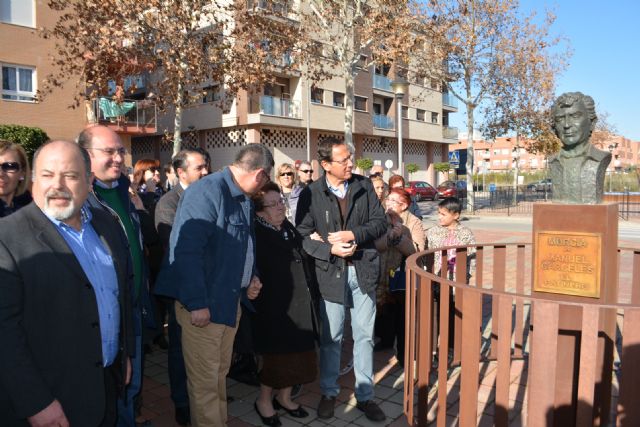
pixel 449 132
pixel 272 106
pixel 129 116
pixel 381 121
pixel 382 82
pixel 449 100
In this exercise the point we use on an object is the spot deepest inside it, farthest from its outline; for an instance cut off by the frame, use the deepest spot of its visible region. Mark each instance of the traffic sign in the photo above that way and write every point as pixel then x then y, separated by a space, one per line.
pixel 454 159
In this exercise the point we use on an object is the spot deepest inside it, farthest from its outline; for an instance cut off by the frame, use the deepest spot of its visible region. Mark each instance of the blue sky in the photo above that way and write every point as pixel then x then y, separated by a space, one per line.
pixel 605 39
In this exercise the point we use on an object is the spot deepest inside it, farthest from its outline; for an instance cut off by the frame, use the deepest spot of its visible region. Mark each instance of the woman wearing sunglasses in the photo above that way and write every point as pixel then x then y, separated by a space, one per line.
pixel 289 189
pixel 14 178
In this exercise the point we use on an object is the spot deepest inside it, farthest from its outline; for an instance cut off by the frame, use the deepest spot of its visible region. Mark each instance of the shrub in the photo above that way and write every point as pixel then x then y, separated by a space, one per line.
pixel 31 138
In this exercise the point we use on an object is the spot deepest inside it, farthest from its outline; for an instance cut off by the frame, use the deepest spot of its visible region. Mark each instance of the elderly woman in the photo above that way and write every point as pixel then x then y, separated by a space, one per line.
pixel 404 237
pixel 289 189
pixel 282 325
pixel 397 181
pixel 14 178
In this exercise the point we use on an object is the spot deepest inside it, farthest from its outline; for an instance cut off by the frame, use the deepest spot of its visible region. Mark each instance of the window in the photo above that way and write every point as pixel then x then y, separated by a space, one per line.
pixel 362 62
pixel 338 99
pixel 405 112
pixel 360 103
pixel 504 162
pixel 496 151
pixel 317 95
pixel 18 12
pixel 420 114
pixel 505 151
pixel 496 162
pixel 434 118
pixel 18 83
pixel 210 94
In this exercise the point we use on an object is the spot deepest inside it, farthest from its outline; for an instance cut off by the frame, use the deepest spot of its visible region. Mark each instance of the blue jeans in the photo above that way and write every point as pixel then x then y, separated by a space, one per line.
pixel 177 371
pixel 363 314
pixel 126 404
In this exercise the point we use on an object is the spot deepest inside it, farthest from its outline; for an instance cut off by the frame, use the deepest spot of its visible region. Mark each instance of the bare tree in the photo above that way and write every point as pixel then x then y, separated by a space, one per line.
pixel 485 37
pixel 185 44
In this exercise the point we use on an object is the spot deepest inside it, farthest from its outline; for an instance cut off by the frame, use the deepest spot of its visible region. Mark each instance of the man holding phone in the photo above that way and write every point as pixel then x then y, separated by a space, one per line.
pixel 343 210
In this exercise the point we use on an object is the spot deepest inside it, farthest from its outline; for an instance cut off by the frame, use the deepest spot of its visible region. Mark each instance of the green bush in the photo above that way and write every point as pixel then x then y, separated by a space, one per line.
pixel 30 138
pixel 364 164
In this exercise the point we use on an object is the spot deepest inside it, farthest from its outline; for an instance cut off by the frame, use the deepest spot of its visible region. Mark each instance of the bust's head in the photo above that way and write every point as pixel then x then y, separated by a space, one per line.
pixel 574 118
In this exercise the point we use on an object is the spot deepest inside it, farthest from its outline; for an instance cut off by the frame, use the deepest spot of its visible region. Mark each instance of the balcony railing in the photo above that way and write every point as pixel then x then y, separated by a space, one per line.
pixel 273 106
pixel 381 82
pixel 449 100
pixel 449 132
pixel 383 122
pixel 130 112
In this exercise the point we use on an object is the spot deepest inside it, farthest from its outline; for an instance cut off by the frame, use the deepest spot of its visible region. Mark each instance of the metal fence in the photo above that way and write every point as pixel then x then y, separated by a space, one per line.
pixel 519 200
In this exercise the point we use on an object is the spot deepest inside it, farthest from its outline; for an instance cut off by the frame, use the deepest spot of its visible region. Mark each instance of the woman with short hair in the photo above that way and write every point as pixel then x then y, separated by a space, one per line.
pixel 289 189
pixel 283 323
pixel 15 176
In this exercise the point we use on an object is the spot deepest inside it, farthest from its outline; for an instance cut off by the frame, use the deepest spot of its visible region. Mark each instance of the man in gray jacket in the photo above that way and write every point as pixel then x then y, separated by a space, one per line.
pixel 343 210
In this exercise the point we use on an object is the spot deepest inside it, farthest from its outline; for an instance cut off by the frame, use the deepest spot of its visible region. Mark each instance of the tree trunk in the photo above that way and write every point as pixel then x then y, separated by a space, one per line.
pixel 177 122
pixel 348 114
pixel 469 164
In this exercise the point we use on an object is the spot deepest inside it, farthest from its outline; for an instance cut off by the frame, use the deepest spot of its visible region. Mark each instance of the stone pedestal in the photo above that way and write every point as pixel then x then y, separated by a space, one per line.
pixel 575 259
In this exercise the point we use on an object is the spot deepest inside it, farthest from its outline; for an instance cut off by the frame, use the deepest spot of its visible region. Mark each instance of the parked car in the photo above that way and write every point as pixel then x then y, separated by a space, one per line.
pixel 453 189
pixel 543 185
pixel 421 190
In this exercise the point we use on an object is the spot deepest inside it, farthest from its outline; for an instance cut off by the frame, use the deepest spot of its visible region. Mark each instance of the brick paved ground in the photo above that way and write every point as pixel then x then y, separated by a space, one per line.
pixel 158 408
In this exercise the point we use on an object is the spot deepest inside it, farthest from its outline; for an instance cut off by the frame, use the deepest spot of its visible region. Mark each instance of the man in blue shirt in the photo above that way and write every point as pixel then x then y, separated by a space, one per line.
pixel 65 317
pixel 211 265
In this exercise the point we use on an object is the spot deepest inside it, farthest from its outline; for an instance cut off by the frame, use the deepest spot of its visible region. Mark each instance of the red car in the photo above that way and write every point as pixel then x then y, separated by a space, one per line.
pixel 453 189
pixel 421 190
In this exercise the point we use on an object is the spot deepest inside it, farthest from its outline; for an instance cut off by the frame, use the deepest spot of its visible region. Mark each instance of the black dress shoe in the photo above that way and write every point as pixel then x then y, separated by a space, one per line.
pixel 183 416
pixel 299 412
pixel 272 421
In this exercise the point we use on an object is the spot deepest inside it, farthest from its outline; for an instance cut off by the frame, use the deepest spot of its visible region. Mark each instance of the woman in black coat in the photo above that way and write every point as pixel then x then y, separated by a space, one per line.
pixel 282 324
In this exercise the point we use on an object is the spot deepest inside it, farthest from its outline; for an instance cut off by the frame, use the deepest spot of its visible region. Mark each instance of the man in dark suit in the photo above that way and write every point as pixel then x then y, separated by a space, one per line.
pixel 65 313
pixel 189 166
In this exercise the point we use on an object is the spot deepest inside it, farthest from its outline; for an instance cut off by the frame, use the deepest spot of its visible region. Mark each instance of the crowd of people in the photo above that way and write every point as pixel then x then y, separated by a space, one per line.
pixel 95 258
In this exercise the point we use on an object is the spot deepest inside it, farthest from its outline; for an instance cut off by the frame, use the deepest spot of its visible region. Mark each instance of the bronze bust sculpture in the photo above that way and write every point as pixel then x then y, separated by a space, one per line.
pixel 578 170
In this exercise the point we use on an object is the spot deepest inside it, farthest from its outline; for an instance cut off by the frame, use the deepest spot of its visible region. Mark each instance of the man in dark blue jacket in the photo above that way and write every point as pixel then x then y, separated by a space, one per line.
pixel 111 193
pixel 211 265
pixel 344 211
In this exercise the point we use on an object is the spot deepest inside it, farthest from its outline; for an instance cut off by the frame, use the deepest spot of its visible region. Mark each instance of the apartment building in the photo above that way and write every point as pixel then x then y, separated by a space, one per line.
pixel 625 152
pixel 25 63
pixel 289 116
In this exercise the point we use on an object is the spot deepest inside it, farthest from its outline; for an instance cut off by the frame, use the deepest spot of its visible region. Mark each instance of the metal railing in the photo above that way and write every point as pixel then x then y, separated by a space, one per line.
pixel 473 356
pixel 449 99
pixel 130 112
pixel 383 122
pixel 519 200
pixel 381 82
pixel 449 132
pixel 273 106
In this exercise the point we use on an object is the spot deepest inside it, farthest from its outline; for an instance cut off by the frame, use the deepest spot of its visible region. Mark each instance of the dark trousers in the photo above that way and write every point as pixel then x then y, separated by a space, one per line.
pixel 177 371
pixel 111 395
pixel 390 323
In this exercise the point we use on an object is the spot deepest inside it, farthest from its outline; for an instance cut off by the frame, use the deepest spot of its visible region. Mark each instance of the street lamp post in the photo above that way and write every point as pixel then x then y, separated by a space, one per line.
pixel 400 86
pixel 611 148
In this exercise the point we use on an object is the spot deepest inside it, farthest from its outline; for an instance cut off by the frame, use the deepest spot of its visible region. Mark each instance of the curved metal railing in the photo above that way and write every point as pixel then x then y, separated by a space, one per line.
pixel 476 364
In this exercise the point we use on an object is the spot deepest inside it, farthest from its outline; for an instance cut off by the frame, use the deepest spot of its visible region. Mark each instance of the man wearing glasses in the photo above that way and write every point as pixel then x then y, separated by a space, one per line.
pixel 111 193
pixel 305 173
pixel 343 209
pixel 210 268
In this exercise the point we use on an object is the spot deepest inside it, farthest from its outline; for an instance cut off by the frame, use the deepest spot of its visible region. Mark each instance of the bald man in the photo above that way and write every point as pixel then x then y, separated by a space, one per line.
pixel 65 314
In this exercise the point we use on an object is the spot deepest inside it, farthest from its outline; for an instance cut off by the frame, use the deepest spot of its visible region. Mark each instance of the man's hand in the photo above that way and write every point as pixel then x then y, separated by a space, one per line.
pixel 201 317
pixel 341 237
pixel 127 377
pixel 51 416
pixel 343 250
pixel 316 236
pixel 254 288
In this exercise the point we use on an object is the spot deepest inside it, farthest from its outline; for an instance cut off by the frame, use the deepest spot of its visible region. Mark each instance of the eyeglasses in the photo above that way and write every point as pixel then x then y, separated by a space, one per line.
pixel 274 204
pixel 286 174
pixel 10 166
pixel 343 162
pixel 111 151
pixel 394 201
pixel 154 170
pixel 306 171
